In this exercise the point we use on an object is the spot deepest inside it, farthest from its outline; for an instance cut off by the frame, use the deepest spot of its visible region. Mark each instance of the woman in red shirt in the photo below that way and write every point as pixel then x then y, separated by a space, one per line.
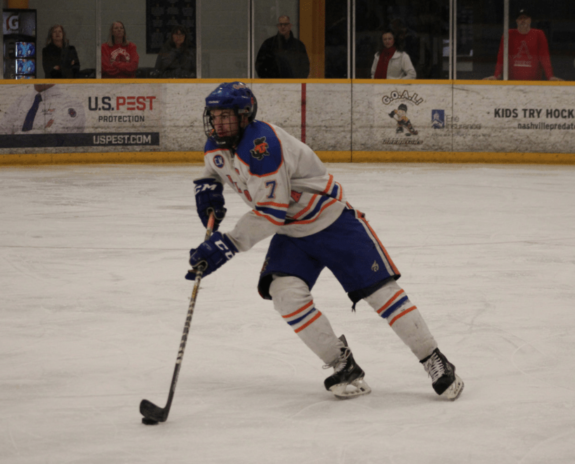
pixel 119 57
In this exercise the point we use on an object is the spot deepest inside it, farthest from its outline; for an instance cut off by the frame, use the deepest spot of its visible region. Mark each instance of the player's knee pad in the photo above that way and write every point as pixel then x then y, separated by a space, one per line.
pixel 390 302
pixel 289 294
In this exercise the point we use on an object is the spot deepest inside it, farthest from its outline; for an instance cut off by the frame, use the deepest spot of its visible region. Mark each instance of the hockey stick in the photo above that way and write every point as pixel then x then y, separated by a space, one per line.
pixel 152 413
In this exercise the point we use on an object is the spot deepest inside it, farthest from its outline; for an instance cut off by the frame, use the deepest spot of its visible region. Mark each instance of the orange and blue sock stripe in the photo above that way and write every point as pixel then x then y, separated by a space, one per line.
pixel 303 317
pixel 396 307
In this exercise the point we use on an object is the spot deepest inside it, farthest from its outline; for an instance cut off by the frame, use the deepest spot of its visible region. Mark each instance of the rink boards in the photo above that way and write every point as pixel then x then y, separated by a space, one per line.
pixel 119 121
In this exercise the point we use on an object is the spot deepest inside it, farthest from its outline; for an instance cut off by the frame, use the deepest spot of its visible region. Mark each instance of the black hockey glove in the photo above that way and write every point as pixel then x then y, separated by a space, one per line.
pixel 211 255
pixel 209 197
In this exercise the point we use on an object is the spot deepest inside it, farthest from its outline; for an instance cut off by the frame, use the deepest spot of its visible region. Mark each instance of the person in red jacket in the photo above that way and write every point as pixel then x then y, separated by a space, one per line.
pixel 528 53
pixel 119 57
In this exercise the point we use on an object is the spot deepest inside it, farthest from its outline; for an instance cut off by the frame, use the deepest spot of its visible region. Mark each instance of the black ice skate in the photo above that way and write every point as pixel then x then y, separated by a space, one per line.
pixel 444 380
pixel 347 380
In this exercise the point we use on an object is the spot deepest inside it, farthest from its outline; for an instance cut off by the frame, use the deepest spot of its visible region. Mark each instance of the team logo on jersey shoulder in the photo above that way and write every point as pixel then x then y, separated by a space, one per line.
pixel 219 161
pixel 260 148
pixel 72 112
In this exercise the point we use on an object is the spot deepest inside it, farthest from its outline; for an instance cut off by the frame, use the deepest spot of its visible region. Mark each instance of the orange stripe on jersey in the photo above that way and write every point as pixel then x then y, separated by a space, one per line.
pixel 307 208
pixel 315 218
pixel 308 322
pixel 271 203
pixel 303 308
pixel 408 310
pixel 395 270
pixel 388 304
pixel 328 187
pixel 277 223
pixel 340 191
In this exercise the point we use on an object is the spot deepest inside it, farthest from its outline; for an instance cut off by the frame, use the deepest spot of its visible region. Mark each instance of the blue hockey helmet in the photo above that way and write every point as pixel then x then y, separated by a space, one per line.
pixel 236 96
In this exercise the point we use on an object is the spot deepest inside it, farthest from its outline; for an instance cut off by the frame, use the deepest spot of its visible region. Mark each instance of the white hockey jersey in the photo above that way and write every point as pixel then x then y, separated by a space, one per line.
pixel 281 179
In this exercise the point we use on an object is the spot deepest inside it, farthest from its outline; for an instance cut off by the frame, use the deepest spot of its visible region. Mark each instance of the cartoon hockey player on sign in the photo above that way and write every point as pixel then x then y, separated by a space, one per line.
pixel 400 115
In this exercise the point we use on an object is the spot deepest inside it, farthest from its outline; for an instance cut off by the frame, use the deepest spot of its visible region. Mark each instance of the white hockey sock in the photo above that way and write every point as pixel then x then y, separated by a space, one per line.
pixel 393 305
pixel 293 300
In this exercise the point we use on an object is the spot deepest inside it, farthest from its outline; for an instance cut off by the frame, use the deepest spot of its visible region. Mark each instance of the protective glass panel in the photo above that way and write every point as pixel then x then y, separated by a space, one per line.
pixel 123 39
pixel 558 23
pixel 420 33
pixel 159 41
pixel 67 51
pixel 171 39
pixel 479 27
pixel 278 51
pixel 337 40
pixel 541 40
pixel 224 30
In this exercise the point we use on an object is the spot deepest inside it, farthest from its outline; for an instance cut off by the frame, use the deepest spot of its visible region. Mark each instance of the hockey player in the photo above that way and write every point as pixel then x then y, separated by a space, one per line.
pixel 292 197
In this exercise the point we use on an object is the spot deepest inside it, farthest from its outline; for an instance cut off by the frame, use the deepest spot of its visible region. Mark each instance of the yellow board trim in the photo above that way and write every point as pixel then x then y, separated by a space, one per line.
pixel 98 158
pixel 335 156
pixel 461 157
pixel 326 156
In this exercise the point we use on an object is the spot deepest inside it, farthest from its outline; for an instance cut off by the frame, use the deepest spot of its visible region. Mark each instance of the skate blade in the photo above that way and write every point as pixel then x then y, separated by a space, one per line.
pixel 346 391
pixel 454 390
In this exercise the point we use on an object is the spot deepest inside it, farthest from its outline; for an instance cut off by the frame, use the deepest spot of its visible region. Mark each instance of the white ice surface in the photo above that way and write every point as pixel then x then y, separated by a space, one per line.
pixel 93 303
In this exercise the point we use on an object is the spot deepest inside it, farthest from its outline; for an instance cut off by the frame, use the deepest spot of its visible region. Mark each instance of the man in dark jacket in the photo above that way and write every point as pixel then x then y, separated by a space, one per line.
pixel 283 56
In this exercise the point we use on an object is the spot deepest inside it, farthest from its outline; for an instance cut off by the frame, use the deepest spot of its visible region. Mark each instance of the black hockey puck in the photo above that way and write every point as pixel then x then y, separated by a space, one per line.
pixel 147 421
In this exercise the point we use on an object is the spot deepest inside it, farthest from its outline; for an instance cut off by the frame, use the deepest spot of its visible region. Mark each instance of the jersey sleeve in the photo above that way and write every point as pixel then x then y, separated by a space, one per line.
pixel 251 229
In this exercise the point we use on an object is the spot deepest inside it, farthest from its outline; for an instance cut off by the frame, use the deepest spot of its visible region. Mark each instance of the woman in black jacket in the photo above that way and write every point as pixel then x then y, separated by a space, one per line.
pixel 59 58
pixel 177 58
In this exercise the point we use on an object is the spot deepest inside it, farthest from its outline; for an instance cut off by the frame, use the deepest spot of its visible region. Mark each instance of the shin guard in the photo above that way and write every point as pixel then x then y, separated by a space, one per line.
pixel 293 300
pixel 392 304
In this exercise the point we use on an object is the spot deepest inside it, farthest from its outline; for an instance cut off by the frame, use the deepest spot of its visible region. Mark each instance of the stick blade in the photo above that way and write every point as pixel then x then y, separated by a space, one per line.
pixel 150 411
